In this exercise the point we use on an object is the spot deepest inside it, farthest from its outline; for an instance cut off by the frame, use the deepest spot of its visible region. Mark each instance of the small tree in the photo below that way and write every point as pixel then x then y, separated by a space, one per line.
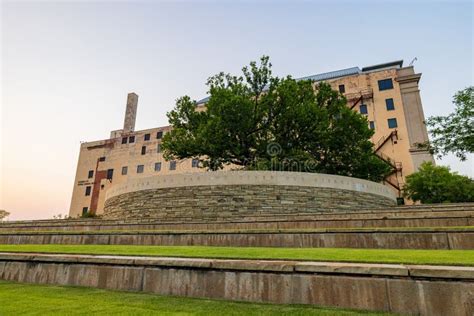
pixel 257 121
pixel 454 133
pixel 3 214
pixel 88 214
pixel 437 184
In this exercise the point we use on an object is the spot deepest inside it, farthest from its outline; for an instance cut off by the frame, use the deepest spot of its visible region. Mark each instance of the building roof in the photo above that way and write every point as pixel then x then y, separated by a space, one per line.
pixel 340 73
pixel 333 74
pixel 396 64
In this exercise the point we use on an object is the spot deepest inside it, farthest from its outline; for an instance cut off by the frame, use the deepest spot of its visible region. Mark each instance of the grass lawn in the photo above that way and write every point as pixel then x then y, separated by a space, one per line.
pixel 27 299
pixel 404 256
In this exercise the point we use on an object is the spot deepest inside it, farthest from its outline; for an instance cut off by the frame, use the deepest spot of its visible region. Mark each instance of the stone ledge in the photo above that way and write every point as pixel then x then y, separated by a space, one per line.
pixel 389 239
pixel 355 230
pixel 441 272
pixel 425 271
pixel 383 288
pixel 352 268
pixel 253 178
pixel 254 265
pixel 449 211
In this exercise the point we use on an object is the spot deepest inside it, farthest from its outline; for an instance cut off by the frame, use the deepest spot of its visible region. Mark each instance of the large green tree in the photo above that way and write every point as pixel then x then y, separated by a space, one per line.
pixel 454 133
pixel 259 121
pixel 437 184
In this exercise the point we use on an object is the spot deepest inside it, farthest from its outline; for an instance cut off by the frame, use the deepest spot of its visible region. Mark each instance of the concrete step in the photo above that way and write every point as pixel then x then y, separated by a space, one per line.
pixel 412 290
pixel 413 216
pixel 383 238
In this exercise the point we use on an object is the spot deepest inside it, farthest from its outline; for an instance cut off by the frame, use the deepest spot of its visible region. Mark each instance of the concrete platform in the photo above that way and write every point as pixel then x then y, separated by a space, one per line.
pixel 405 289
pixel 387 238
pixel 443 215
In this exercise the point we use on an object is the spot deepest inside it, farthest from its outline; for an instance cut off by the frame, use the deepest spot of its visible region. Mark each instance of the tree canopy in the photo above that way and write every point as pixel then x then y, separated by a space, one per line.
pixel 454 133
pixel 259 121
pixel 3 214
pixel 437 184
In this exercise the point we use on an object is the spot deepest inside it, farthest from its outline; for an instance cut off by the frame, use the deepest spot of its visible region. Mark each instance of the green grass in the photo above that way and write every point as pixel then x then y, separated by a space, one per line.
pixel 27 299
pixel 403 256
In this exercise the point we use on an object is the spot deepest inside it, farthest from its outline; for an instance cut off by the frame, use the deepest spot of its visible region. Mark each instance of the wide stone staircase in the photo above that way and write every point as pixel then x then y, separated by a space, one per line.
pixel 413 227
pixel 398 288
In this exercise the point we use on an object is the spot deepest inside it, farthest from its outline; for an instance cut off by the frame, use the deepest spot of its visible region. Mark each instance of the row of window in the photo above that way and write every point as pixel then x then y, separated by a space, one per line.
pixel 158 149
pixel 172 166
pixel 384 84
pixel 109 174
pixel 392 123
pixel 140 169
pixel 389 105
pixel 143 152
pixel 146 137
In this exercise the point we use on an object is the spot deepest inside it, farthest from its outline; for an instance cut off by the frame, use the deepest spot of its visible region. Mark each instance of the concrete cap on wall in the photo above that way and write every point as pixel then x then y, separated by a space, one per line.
pixel 271 178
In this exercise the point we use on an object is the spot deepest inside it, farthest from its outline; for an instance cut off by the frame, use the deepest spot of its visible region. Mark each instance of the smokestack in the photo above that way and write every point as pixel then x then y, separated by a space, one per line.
pixel 130 113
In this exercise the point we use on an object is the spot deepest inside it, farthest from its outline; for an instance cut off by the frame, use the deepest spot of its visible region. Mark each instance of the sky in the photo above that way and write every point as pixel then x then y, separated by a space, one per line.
pixel 67 66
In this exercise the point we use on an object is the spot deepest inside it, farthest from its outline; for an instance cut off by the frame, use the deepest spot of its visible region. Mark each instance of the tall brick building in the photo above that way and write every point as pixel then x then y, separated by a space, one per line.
pixel 387 94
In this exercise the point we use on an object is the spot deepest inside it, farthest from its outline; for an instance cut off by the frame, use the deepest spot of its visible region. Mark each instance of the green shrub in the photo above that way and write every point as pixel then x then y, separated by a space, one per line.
pixel 88 214
pixel 437 184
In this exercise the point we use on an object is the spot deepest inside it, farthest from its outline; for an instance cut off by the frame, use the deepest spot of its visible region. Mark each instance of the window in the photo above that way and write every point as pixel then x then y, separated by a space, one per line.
pixel 173 165
pixel 140 168
pixel 110 174
pixel 159 135
pixel 102 159
pixel 84 210
pixel 158 166
pixel 389 104
pixel 392 123
pixel 363 109
pixel 88 190
pixel 131 139
pixel 90 174
pixel 124 140
pixel 372 125
pixel 385 84
pixel 124 170
pixel 158 148
pixel 195 163
pixel 147 137
pixel 143 150
pixel 342 88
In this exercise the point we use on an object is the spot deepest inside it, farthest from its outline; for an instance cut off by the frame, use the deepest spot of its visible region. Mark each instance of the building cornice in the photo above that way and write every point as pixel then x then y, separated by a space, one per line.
pixel 408 78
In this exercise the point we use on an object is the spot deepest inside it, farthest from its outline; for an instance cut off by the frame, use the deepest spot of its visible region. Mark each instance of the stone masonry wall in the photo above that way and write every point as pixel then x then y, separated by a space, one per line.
pixel 407 290
pixel 235 201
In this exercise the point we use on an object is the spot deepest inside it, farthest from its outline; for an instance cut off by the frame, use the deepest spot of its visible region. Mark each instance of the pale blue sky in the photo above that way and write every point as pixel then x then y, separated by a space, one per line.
pixel 68 66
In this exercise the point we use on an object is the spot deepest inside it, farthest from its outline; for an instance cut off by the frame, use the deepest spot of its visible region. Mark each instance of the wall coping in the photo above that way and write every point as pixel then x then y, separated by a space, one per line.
pixel 151 232
pixel 271 178
pixel 376 212
pixel 424 271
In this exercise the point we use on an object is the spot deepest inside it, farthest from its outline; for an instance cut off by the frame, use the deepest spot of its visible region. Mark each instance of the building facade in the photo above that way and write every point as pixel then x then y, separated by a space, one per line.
pixel 387 94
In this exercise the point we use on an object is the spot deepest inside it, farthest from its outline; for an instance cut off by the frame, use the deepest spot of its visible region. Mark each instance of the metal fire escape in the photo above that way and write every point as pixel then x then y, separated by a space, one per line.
pixel 358 98
pixel 396 166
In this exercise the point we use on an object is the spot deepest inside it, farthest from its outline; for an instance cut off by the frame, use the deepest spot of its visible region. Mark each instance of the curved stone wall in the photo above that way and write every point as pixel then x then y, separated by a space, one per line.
pixel 237 194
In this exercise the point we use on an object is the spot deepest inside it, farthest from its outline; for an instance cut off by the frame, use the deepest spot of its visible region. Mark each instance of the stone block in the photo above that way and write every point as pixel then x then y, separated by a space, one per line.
pixel 445 272
pixel 253 265
pixel 352 268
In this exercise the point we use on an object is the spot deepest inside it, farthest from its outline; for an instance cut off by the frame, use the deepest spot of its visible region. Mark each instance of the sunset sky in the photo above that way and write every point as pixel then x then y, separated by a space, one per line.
pixel 66 68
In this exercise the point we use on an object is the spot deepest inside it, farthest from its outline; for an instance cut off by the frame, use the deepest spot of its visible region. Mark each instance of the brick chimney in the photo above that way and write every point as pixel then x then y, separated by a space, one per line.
pixel 130 113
